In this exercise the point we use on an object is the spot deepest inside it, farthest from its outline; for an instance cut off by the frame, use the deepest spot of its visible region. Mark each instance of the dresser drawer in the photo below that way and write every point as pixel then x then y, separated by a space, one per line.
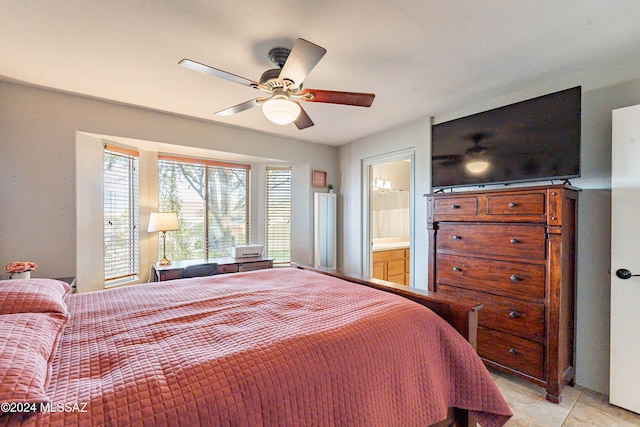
pixel 525 241
pixel 516 317
pixel 170 274
pixel 227 268
pixel 456 206
pixel 514 279
pixel 513 352
pixel 516 204
pixel 251 266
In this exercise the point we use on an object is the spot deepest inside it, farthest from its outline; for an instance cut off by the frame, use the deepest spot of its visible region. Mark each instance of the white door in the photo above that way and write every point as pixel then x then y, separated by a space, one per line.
pixel 625 259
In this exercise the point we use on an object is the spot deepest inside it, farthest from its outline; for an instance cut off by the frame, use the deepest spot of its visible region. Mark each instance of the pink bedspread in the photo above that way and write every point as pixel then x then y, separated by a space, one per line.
pixel 265 348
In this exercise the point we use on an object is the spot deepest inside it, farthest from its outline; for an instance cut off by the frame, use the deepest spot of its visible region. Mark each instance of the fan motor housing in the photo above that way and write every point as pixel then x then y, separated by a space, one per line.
pixel 270 78
pixel 279 55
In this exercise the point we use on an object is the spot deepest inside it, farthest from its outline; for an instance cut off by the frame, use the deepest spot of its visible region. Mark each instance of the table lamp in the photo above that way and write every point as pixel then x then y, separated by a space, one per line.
pixel 163 222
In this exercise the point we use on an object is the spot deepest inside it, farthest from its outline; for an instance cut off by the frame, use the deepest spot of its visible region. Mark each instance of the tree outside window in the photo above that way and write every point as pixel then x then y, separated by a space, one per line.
pixel 212 203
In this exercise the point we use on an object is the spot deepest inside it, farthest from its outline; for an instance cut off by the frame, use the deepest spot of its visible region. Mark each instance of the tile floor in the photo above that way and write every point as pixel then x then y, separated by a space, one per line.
pixel 579 407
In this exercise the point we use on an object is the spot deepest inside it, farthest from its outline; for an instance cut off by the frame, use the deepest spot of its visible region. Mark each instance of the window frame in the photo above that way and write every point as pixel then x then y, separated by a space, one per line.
pixel 132 258
pixel 208 164
pixel 286 261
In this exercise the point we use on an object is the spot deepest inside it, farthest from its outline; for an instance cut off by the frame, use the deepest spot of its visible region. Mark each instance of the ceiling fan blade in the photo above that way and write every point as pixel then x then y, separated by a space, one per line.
pixel 303 57
pixel 239 108
pixel 196 66
pixel 303 121
pixel 334 97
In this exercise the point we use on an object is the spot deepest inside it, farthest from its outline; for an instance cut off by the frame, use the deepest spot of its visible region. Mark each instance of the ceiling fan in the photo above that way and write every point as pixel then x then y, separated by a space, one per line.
pixel 283 86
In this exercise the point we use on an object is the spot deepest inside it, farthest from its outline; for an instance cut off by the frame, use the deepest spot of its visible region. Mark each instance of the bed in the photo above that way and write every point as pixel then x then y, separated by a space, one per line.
pixel 277 347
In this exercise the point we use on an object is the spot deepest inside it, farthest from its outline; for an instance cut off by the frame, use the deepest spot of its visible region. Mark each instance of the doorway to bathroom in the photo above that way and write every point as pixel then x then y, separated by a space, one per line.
pixel 388 218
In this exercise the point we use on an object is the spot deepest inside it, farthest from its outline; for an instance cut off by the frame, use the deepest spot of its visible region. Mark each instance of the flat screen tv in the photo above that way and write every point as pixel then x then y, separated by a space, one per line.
pixel 533 140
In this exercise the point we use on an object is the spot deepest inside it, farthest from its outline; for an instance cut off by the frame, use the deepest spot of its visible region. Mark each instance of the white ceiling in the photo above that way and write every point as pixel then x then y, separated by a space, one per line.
pixel 421 58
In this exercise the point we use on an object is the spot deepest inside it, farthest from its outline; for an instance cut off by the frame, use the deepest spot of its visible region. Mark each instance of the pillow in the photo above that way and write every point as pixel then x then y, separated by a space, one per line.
pixel 27 345
pixel 33 296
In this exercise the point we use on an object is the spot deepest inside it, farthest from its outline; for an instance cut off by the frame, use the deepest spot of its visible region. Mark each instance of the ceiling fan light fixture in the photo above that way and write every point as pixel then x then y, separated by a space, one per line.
pixel 281 110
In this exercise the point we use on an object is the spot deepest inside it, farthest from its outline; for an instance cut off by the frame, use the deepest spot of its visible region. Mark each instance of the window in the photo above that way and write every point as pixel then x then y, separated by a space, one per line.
pixel 212 202
pixel 121 241
pixel 279 214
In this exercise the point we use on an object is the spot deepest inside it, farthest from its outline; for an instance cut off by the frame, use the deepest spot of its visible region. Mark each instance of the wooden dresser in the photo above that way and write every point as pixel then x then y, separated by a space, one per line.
pixel 514 251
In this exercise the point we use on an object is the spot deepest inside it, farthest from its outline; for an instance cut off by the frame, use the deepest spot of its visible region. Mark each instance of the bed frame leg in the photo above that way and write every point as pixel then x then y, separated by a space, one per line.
pixel 465 419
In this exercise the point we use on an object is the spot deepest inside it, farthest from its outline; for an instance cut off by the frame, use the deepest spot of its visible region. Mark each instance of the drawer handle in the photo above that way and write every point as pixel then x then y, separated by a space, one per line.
pixel 514 241
pixel 512 204
pixel 455 206
pixel 454 237
pixel 456 268
pixel 514 278
pixel 513 314
pixel 512 351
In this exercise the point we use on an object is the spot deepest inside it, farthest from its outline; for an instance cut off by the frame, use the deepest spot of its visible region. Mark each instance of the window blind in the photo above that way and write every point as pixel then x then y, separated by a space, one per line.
pixel 121 215
pixel 278 215
pixel 212 202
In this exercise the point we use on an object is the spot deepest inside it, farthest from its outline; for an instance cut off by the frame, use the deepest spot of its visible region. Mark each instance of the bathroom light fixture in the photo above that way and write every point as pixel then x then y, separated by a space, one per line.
pixel 379 183
pixel 281 110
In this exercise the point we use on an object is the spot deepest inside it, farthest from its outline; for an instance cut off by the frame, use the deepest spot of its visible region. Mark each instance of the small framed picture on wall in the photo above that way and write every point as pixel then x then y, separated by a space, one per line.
pixel 319 179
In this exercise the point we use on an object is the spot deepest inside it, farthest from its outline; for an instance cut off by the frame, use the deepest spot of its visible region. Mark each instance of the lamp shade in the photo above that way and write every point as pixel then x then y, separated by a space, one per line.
pixel 281 111
pixel 163 221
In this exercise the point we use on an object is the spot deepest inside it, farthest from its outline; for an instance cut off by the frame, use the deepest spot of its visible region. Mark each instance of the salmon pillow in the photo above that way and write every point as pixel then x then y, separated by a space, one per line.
pixel 27 346
pixel 33 296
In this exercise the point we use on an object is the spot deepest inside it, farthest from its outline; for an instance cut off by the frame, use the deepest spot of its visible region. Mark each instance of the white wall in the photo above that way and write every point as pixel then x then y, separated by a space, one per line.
pixel 39 168
pixel 415 135
pixel 594 233
pixel 593 277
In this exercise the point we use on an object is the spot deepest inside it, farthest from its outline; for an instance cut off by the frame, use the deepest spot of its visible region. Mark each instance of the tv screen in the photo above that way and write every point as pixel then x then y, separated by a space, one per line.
pixel 533 140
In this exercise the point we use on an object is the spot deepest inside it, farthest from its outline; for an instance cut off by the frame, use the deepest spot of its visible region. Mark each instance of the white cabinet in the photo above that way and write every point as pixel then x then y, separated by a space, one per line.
pixel 324 230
